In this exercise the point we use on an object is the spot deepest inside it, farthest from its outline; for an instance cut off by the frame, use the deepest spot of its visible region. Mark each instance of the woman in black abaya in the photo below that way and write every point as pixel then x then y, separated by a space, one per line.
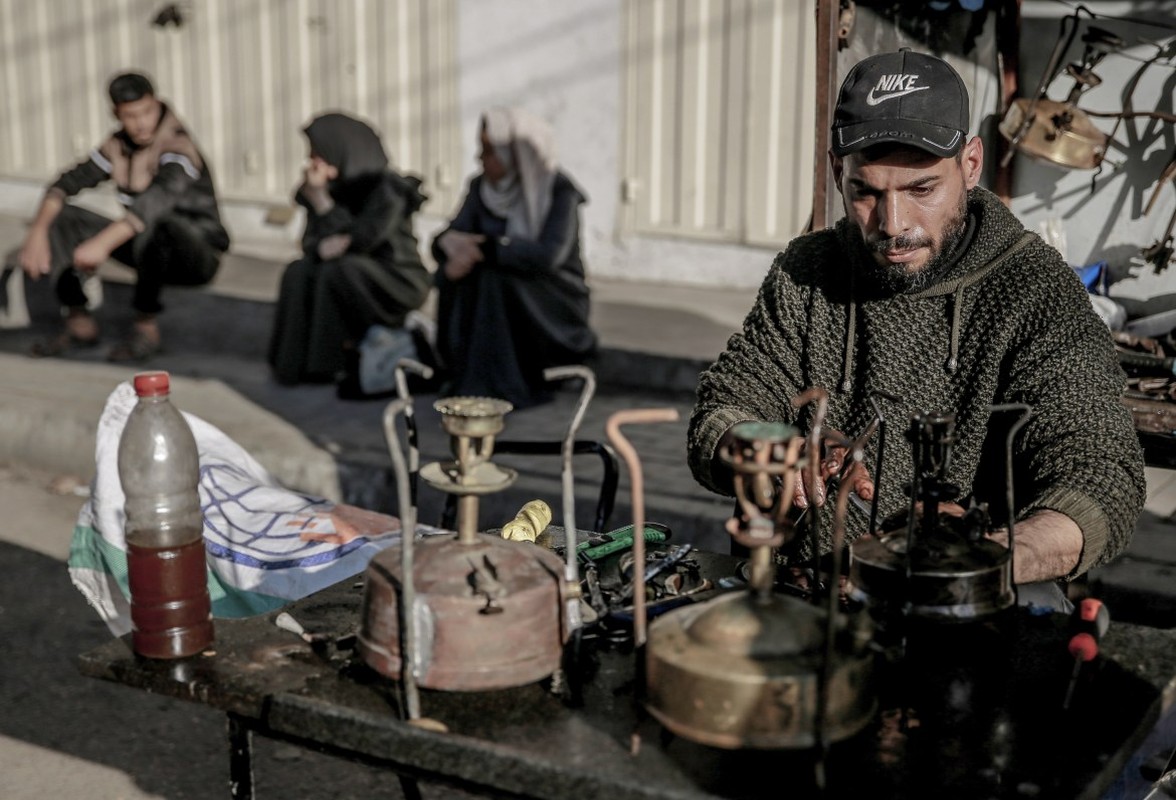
pixel 512 296
pixel 360 265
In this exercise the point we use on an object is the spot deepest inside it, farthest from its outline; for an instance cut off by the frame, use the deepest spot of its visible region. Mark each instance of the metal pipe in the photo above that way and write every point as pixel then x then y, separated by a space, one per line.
pixel 821 398
pixel 636 416
pixel 414 454
pixel 878 461
pixel 1012 511
pixel 572 568
pixel 856 454
pixel 408 649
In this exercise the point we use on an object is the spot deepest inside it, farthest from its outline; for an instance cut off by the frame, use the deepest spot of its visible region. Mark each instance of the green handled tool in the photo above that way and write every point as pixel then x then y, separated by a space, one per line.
pixel 621 539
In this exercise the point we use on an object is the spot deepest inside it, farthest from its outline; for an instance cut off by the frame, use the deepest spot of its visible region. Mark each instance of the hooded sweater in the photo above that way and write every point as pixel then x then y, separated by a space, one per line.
pixel 1007 322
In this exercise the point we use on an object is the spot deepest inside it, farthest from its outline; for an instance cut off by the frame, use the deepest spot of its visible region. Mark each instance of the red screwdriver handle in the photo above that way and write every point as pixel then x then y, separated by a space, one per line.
pixel 1088 623
pixel 1083 647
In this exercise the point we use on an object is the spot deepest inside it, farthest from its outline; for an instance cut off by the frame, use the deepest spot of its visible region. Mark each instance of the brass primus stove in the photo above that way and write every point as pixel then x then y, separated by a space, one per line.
pixel 487 612
pixel 755 668
pixel 938 567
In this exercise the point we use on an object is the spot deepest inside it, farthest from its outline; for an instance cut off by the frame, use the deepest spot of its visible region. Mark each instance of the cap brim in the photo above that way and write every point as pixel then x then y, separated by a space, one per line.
pixel 935 139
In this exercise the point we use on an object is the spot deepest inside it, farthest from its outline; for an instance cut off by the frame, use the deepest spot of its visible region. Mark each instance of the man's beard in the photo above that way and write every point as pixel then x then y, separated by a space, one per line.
pixel 896 279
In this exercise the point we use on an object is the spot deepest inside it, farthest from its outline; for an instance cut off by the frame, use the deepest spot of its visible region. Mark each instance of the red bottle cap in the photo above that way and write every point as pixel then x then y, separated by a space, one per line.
pixel 151 384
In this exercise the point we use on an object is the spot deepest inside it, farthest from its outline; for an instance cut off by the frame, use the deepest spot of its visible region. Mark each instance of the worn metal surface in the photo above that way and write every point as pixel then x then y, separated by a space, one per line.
pixel 971 712
pixel 757 669
pixel 953 581
pixel 736 672
pixel 937 565
pixel 1060 133
pixel 488 614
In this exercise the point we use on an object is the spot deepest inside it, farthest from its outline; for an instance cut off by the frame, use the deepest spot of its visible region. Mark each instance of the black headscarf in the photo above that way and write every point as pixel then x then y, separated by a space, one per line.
pixel 347 144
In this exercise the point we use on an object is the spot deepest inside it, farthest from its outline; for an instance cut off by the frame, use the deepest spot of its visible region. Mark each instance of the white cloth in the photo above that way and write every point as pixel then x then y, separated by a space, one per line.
pixel 258 558
pixel 526 146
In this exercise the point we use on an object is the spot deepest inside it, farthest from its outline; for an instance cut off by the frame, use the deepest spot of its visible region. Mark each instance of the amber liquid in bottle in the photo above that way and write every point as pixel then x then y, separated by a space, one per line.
pixel 170 606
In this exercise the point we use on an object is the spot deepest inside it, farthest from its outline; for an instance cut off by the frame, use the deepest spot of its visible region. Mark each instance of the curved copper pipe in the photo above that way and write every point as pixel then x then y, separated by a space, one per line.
pixel 636 416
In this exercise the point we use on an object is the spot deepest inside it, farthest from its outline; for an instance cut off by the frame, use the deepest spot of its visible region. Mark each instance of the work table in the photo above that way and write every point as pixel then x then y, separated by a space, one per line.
pixel 970 711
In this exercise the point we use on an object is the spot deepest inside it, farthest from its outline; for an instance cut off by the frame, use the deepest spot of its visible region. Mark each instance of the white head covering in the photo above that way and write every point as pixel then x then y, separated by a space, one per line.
pixel 525 145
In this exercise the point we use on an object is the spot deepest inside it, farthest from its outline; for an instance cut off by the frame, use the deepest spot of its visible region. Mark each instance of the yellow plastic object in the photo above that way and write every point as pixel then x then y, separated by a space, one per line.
pixel 532 519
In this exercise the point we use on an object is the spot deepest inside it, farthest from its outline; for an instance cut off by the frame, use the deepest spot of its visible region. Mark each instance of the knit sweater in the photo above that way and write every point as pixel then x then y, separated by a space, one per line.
pixel 1008 322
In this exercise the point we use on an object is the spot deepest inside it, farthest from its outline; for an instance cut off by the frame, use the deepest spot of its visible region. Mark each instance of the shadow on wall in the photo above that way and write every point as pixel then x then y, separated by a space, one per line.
pixel 1092 159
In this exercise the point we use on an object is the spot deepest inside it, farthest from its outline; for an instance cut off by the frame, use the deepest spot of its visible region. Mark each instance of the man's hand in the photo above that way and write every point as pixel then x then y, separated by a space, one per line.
pixel 462 252
pixel 90 254
pixel 333 246
pixel 35 253
pixel 832 464
pixel 1049 546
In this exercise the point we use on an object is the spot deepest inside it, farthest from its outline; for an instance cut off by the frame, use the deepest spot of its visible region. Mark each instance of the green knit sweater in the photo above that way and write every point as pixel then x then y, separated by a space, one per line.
pixel 1009 322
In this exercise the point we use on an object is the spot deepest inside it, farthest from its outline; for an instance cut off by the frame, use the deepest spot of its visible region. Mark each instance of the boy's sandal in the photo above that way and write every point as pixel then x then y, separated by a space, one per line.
pixel 61 344
pixel 135 347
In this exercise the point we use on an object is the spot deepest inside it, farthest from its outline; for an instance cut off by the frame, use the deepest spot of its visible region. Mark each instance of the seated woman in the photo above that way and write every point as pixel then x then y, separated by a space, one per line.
pixel 512 298
pixel 361 264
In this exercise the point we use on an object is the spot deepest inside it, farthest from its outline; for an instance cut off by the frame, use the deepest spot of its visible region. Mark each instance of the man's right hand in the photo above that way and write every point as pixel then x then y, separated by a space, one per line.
pixel 831 464
pixel 35 254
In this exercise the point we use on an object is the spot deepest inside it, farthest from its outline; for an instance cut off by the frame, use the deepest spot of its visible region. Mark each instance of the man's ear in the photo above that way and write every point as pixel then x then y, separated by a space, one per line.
pixel 972 161
pixel 837 165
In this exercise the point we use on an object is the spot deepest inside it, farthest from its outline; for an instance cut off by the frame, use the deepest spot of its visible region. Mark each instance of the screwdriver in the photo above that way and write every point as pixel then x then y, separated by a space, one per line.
pixel 1088 623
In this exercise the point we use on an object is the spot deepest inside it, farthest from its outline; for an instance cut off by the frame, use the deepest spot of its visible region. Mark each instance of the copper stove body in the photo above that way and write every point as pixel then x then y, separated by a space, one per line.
pixel 487 612
pixel 754 668
pixel 475 631
pixel 739 673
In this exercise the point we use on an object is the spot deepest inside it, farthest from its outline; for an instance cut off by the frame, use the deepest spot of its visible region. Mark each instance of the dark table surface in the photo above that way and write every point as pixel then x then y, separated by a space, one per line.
pixel 971 710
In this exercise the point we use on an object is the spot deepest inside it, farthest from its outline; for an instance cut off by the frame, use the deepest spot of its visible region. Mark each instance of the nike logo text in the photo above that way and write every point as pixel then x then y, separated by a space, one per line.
pixel 893 86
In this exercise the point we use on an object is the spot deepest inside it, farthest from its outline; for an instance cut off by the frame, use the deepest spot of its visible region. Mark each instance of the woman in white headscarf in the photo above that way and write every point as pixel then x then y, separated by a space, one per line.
pixel 512 296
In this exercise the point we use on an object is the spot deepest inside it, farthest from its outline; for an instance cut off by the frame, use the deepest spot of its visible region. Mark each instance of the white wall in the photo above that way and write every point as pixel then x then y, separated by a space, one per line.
pixel 564 61
pixel 1108 224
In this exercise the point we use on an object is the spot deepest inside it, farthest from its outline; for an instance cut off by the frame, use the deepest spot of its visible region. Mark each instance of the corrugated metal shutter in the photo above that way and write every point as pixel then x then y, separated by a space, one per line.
pixel 719 118
pixel 245 74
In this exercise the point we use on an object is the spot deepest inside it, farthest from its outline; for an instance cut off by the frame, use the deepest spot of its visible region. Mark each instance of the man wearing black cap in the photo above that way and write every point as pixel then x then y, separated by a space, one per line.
pixel 932 291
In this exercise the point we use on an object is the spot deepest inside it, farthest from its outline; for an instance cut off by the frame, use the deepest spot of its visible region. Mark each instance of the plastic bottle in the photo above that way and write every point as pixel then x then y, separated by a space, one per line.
pixel 158 465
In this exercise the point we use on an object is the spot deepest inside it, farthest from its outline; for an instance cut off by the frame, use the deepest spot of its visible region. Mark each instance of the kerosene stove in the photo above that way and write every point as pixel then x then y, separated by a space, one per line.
pixel 938 567
pixel 487 613
pixel 754 668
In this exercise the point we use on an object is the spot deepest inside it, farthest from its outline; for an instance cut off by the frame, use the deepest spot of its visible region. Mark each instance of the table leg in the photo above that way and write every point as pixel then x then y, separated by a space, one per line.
pixel 240 758
pixel 410 788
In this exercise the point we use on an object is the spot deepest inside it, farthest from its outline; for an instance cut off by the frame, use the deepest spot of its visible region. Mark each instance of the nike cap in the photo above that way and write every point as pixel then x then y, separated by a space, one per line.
pixel 905 97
